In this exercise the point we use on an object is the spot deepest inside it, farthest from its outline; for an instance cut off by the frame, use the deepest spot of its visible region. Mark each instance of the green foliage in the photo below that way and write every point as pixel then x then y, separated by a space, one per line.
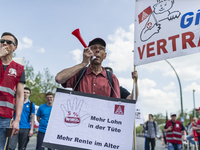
pixel 159 118
pixel 39 84
pixel 139 129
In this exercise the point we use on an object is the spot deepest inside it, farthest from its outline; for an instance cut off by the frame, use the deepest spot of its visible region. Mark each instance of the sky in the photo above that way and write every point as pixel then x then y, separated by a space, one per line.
pixel 44 28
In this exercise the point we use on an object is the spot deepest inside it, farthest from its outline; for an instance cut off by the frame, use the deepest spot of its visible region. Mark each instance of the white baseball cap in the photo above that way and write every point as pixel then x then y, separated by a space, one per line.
pixel 172 113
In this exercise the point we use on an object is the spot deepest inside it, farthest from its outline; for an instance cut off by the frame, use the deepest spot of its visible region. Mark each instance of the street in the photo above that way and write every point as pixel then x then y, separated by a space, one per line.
pixel 139 144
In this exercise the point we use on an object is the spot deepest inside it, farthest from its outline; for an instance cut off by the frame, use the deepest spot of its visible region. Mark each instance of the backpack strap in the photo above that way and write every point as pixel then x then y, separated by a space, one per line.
pixel 79 77
pixel 31 106
pixel 147 125
pixel 82 73
pixel 154 124
pixel 110 80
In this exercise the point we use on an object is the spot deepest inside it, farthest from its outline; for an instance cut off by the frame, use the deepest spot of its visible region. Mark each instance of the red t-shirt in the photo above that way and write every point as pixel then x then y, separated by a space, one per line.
pixel 95 84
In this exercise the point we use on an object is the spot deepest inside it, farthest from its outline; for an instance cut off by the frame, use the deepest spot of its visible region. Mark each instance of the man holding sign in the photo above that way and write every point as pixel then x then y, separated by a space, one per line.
pixel 94 78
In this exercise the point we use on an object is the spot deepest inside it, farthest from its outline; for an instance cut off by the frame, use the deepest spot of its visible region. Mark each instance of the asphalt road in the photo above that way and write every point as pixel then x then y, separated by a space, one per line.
pixel 139 144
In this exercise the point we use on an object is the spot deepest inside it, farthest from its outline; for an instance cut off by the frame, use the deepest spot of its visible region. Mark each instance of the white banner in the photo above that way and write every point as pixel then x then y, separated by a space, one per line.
pixel 139 112
pixel 166 29
pixel 87 121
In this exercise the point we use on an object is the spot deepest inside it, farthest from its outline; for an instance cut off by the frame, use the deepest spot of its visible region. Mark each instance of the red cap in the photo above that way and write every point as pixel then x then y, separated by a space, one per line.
pixel 198 109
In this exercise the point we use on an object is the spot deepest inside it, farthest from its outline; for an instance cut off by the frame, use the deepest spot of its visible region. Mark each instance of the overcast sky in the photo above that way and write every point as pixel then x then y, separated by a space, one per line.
pixel 44 31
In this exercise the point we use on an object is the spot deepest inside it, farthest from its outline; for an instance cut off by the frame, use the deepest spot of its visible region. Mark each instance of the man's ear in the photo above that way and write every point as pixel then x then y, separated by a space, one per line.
pixel 15 48
pixel 105 55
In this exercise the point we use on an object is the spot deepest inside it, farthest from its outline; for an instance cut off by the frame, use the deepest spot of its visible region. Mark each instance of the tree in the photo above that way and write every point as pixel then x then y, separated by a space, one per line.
pixel 159 118
pixel 39 83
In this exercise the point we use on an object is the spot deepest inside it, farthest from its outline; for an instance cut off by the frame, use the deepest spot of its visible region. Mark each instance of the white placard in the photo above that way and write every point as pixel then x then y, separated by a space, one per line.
pixel 166 29
pixel 139 112
pixel 87 121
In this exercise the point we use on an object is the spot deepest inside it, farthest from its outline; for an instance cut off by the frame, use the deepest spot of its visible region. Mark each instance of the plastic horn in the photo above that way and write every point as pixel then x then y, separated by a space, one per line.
pixel 77 34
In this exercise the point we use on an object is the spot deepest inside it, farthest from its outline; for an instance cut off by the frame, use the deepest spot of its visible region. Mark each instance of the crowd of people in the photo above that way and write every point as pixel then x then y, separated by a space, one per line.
pixel 17 112
pixel 174 133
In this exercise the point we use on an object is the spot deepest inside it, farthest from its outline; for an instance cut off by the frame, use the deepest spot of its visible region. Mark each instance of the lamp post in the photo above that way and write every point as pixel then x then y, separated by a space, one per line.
pixel 194 103
pixel 179 88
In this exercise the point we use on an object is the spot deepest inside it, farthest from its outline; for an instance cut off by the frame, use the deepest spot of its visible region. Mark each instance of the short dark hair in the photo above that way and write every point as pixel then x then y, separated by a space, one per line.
pixel 8 33
pixel 151 115
pixel 49 93
pixel 108 68
pixel 27 88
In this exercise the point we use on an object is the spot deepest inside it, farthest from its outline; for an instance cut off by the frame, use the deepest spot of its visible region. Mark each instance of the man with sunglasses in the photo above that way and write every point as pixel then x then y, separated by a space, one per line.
pixel 173 129
pixel 94 81
pixel 12 79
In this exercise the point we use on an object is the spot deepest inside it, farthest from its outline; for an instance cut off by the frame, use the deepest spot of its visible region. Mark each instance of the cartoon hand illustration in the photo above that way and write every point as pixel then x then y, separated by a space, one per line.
pixel 156 28
pixel 174 15
pixel 72 113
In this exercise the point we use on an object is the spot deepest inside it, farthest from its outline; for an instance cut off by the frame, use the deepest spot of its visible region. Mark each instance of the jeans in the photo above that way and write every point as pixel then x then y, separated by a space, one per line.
pixel 152 141
pixel 40 138
pixel 189 138
pixel 172 146
pixel 4 123
pixel 21 138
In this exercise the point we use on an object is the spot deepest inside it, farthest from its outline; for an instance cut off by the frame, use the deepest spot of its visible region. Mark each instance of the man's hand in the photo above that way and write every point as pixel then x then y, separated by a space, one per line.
pixel 3 51
pixel 194 128
pixel 184 138
pixel 87 55
pixel 30 133
pixel 169 128
pixel 155 138
pixel 15 126
pixel 135 75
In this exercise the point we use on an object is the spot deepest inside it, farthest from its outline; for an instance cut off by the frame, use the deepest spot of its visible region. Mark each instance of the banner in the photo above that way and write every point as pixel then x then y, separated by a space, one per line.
pixel 88 121
pixel 165 29
pixel 138 112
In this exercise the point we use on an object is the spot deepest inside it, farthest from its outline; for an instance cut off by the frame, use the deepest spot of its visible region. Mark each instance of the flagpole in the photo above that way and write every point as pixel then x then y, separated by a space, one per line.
pixel 134 98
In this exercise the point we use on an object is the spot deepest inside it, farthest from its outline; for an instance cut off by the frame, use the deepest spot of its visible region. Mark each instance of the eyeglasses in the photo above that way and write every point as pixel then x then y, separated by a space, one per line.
pixel 96 47
pixel 173 115
pixel 7 41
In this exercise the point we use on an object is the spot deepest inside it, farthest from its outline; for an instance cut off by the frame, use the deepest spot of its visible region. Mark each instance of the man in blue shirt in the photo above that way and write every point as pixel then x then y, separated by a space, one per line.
pixel 43 115
pixel 25 127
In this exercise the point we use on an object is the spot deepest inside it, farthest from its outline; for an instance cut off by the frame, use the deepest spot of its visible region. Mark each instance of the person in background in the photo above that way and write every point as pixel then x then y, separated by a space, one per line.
pixel 25 127
pixel 173 129
pixel 152 130
pixel 43 115
pixel 197 128
pixel 190 135
pixel 125 94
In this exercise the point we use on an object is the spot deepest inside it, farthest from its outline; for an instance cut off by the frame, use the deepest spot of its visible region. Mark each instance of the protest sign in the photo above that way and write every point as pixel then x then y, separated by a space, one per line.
pixel 165 29
pixel 139 112
pixel 88 121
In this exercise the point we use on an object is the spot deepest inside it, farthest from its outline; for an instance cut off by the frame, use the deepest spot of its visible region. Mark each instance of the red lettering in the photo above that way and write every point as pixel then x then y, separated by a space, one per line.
pixel 141 52
pixel 186 40
pixel 161 46
pixel 149 49
pixel 199 42
pixel 173 38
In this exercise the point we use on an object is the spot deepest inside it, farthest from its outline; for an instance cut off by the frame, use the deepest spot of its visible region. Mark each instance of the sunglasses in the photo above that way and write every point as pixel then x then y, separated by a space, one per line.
pixel 7 41
pixel 173 115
